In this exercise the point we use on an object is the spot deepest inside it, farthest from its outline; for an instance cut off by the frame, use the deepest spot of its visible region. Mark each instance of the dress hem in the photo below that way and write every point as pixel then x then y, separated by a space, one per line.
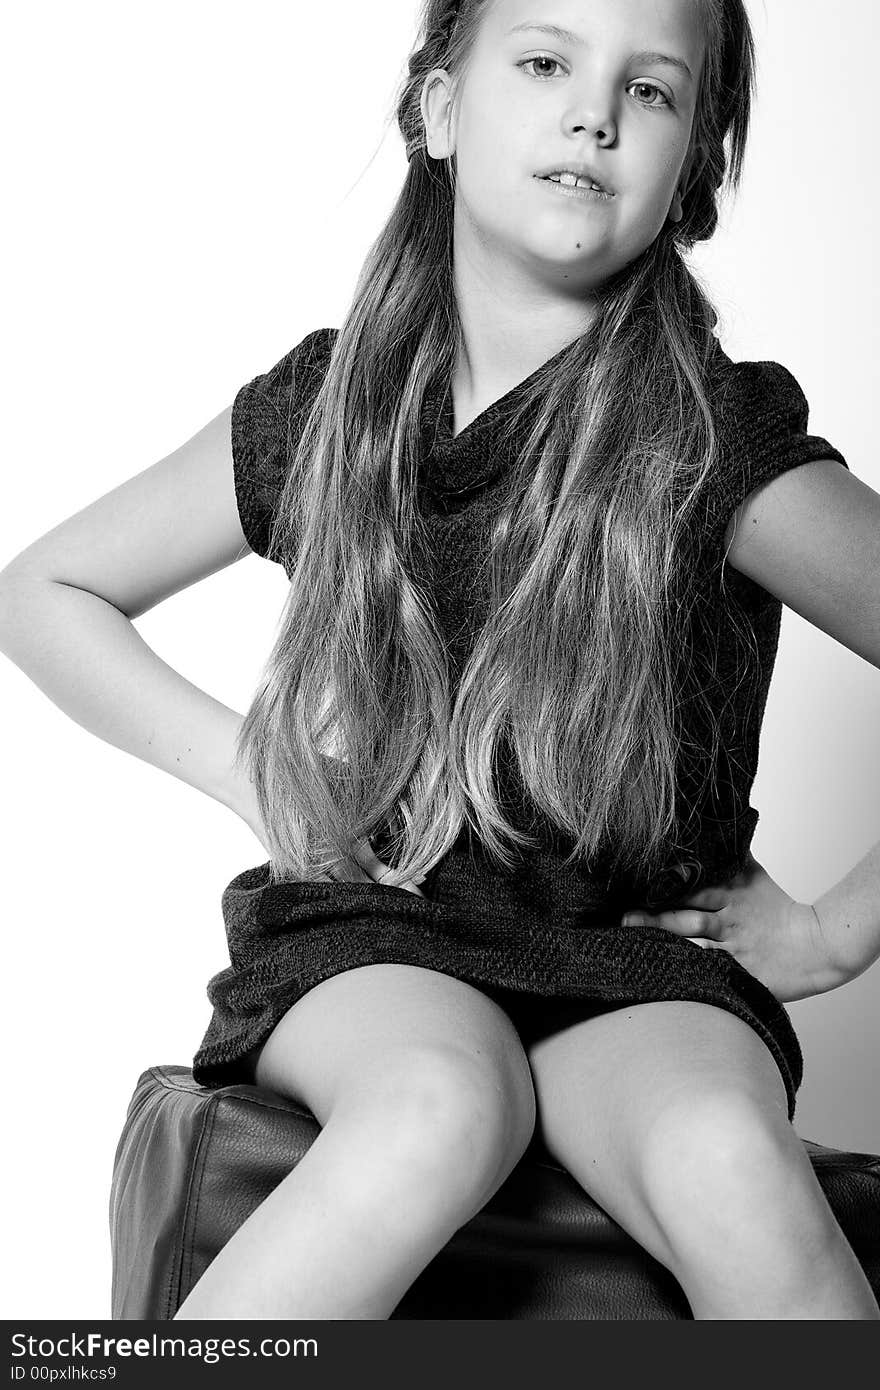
pixel 719 980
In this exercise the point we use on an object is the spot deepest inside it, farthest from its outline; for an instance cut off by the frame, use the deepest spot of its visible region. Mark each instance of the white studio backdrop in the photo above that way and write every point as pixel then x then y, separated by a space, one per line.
pixel 192 187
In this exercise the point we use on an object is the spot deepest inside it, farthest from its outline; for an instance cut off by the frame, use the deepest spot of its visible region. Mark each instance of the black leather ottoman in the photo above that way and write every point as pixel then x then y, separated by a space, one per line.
pixel 193 1163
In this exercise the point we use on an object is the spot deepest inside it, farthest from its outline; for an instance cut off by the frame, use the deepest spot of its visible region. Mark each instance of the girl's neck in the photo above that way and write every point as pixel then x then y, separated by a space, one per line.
pixel 475 390
pixel 502 345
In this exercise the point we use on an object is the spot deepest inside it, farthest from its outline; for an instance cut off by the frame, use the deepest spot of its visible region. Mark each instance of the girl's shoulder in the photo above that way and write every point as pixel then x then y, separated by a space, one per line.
pixel 758 399
pixel 762 419
pixel 266 414
pixel 302 365
pixel 762 416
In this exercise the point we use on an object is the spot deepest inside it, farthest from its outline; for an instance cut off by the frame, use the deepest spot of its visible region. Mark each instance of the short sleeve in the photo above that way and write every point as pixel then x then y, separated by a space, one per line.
pixel 763 420
pixel 268 414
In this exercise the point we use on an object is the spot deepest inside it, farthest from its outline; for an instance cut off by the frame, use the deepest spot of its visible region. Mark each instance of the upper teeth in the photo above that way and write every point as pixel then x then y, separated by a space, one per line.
pixel 574 181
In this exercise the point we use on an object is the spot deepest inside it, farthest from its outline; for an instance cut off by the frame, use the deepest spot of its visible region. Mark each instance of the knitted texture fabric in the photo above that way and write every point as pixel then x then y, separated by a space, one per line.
pixel 546 929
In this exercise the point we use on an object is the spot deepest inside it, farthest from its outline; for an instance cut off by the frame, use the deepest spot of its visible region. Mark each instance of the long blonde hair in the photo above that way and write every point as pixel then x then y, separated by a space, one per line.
pixel 355 725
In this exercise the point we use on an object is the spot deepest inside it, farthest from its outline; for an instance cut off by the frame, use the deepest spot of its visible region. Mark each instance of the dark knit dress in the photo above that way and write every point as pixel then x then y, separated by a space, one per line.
pixel 545 941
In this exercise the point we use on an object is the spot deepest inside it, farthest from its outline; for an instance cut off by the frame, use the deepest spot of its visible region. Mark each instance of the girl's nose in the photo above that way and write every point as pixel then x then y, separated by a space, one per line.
pixel 593 115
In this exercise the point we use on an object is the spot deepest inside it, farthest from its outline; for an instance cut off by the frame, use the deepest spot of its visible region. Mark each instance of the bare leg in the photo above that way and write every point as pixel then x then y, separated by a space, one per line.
pixel 426 1104
pixel 673 1116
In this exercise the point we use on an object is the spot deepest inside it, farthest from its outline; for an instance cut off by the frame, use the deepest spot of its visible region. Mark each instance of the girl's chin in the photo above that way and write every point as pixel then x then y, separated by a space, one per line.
pixel 570 248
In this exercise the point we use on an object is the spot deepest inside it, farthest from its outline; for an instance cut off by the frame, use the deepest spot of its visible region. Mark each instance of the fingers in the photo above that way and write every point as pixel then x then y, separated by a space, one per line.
pixel 370 861
pixel 687 922
pixel 366 867
pixel 704 944
pixel 684 921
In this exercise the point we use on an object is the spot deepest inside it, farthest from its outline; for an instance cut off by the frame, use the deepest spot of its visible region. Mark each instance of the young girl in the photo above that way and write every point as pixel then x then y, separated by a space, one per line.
pixel 501 754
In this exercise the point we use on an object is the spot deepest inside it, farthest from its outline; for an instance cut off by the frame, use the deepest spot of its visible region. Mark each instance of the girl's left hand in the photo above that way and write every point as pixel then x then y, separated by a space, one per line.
pixel 778 940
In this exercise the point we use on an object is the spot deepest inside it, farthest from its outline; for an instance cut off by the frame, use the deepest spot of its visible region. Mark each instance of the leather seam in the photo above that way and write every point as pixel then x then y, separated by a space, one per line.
pixel 191 1206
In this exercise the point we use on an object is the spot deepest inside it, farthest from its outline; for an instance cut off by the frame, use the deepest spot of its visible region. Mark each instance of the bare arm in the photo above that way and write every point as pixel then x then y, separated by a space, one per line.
pixel 812 538
pixel 68 600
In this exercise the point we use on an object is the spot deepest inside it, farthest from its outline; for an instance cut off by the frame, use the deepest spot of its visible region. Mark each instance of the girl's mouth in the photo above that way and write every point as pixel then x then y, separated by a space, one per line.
pixel 590 195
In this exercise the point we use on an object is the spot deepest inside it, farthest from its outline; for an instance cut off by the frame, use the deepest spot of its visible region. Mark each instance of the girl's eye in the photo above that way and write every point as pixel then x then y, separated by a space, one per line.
pixel 643 86
pixel 541 58
pixel 649 87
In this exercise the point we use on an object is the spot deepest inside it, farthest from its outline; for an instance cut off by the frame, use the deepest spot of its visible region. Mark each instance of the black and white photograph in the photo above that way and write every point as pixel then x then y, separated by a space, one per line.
pixel 440 637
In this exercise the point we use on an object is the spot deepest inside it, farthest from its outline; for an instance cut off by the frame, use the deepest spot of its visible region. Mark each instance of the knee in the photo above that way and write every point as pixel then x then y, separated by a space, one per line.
pixel 721 1147
pixel 451 1115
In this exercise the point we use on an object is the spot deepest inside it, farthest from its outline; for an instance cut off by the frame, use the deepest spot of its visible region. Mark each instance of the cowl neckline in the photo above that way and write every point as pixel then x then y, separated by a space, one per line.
pixel 491 442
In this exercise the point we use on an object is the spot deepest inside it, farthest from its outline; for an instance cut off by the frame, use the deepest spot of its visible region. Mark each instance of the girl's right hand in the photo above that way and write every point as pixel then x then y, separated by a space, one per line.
pixel 366 867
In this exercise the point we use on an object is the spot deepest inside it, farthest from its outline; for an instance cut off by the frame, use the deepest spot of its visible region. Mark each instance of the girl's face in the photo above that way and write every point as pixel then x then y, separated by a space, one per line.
pixel 617 93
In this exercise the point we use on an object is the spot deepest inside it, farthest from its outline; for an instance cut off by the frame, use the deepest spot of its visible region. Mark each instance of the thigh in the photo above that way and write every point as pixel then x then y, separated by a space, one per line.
pixel 356 1030
pixel 650 1099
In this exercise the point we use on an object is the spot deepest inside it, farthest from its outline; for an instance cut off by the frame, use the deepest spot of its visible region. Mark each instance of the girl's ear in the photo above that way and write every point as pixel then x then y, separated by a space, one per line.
pixel 693 167
pixel 691 171
pixel 436 106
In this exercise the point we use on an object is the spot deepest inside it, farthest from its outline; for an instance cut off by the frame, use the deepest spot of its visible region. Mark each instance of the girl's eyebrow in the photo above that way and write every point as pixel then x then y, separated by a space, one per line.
pixel 566 36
